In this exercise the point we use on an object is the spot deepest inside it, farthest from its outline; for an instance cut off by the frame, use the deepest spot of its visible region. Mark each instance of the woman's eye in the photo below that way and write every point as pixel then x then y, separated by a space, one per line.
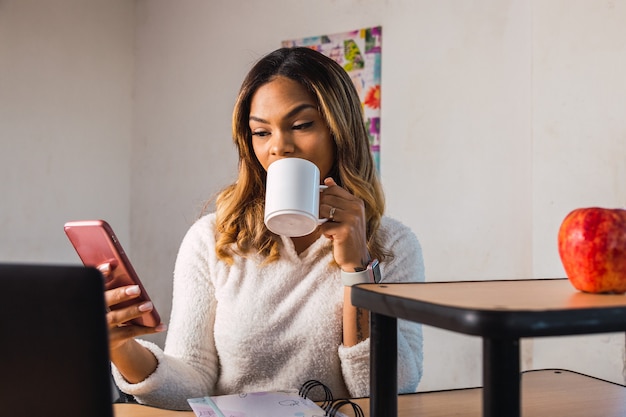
pixel 302 126
pixel 261 134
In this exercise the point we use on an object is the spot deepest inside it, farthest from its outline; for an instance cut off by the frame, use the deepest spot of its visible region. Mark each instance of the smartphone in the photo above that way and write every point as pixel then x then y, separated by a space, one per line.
pixel 96 244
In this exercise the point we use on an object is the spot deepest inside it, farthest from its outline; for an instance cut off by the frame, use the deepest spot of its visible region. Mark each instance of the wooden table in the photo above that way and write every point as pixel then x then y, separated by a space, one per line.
pixel 546 393
pixel 501 312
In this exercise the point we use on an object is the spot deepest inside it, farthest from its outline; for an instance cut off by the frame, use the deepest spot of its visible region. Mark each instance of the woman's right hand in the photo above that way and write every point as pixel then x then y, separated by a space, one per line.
pixel 134 361
pixel 118 320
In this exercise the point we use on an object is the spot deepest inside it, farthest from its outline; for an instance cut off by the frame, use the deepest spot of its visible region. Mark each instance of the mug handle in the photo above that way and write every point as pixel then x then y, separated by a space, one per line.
pixel 324 219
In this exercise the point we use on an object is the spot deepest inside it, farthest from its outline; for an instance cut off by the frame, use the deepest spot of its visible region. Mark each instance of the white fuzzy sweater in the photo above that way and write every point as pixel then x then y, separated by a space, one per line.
pixel 246 327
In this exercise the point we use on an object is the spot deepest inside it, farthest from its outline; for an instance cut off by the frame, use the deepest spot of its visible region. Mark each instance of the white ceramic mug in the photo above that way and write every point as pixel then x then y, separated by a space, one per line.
pixel 292 197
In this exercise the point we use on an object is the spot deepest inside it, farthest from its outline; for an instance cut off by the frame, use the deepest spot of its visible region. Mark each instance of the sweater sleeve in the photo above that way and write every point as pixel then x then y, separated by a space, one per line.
pixel 188 366
pixel 406 266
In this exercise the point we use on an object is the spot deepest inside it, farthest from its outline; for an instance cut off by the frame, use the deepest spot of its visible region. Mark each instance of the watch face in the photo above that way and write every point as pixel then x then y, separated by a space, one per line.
pixel 376 270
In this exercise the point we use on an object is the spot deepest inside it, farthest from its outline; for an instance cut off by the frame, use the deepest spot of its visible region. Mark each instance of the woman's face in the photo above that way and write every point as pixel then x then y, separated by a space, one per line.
pixel 286 123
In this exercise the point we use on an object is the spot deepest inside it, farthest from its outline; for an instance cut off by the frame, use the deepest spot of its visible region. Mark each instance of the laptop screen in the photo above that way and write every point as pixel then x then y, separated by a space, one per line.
pixel 53 349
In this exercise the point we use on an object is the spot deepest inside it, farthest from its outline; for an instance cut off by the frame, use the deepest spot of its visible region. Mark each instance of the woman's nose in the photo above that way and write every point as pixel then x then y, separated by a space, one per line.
pixel 282 143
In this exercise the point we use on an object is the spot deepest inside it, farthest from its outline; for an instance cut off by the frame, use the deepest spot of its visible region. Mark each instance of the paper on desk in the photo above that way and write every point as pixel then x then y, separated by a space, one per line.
pixel 258 404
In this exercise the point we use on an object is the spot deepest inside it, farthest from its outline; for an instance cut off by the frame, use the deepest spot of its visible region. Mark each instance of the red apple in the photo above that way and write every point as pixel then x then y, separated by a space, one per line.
pixel 592 246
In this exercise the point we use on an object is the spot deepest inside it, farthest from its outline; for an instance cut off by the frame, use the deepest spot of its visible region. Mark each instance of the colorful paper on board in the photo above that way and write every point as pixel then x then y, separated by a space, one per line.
pixel 359 53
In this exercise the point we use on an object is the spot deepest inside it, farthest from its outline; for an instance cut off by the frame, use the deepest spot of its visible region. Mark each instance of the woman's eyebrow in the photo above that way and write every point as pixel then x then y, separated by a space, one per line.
pixel 291 113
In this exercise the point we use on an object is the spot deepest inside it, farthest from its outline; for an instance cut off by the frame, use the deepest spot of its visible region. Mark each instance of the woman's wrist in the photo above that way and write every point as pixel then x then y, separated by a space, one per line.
pixel 134 361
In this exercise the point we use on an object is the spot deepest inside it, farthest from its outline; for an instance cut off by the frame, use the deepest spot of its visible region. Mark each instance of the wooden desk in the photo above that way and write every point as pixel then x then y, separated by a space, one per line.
pixel 136 410
pixel 501 312
pixel 546 393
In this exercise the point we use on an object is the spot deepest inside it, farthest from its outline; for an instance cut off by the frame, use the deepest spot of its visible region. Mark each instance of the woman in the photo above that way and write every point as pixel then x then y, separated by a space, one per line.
pixel 254 311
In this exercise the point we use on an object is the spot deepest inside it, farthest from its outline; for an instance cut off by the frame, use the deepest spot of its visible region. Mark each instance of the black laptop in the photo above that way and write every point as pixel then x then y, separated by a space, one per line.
pixel 53 342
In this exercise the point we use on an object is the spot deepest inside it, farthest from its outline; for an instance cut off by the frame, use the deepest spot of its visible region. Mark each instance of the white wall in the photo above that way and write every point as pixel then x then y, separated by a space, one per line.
pixel 66 70
pixel 498 117
pixel 579 147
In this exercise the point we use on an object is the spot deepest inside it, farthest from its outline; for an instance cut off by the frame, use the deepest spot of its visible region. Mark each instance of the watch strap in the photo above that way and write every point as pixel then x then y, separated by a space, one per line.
pixel 370 274
pixel 351 278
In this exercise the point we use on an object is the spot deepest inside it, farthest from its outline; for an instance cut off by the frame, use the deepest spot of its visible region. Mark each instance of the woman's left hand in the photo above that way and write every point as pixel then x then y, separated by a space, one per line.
pixel 346 226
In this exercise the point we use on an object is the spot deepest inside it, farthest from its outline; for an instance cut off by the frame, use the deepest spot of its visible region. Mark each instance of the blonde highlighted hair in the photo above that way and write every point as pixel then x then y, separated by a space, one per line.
pixel 240 206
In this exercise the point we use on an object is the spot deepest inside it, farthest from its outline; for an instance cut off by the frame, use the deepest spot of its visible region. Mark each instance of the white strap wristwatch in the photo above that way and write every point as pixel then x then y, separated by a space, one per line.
pixel 369 274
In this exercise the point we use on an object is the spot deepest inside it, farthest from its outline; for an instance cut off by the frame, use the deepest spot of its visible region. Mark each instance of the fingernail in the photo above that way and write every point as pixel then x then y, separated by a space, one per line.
pixel 161 327
pixel 147 306
pixel 134 290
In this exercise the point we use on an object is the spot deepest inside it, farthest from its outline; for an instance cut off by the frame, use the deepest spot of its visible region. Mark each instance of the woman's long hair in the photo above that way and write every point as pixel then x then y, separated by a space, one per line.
pixel 240 206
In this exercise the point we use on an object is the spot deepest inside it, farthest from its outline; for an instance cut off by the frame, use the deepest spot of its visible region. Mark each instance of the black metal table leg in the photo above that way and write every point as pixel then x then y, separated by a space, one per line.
pixel 501 378
pixel 383 366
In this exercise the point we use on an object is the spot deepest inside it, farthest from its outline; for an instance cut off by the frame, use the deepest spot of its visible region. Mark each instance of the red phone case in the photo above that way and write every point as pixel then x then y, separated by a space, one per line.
pixel 96 244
